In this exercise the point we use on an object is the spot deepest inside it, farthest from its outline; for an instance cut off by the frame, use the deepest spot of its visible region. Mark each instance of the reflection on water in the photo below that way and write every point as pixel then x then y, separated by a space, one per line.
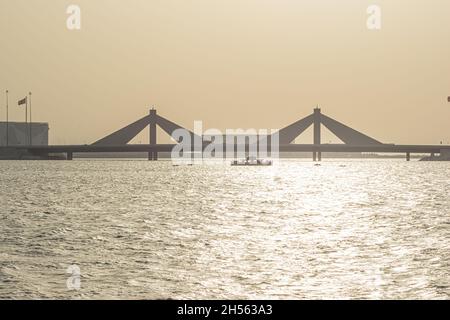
pixel 138 229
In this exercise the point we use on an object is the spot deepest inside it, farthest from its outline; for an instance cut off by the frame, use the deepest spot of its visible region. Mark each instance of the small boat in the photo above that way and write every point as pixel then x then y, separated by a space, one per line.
pixel 251 161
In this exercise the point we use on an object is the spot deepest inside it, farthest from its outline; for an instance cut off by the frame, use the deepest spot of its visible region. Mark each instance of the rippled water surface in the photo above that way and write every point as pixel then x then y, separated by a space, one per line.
pixel 140 230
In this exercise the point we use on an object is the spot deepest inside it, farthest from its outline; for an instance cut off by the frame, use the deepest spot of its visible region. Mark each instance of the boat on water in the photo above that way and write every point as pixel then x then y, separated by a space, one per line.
pixel 251 161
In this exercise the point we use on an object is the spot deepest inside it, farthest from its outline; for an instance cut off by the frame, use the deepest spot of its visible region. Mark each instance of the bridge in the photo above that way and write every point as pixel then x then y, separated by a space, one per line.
pixel 353 140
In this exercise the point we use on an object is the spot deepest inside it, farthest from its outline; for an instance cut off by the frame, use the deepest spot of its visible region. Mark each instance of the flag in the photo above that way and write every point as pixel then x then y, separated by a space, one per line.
pixel 23 101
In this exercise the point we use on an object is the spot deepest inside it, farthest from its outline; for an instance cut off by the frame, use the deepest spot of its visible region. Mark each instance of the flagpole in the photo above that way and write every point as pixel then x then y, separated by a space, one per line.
pixel 7 118
pixel 31 123
pixel 26 113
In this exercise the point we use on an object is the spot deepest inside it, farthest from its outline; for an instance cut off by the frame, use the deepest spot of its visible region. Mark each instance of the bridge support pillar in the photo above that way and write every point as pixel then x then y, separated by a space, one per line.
pixel 408 156
pixel 317 155
pixel 152 155
pixel 317 123
pixel 69 155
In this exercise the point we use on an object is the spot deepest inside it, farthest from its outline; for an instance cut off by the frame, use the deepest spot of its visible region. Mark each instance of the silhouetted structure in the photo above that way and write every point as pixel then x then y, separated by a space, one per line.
pixel 354 141
pixel 15 134
pixel 126 134
pixel 286 135
pixel 348 135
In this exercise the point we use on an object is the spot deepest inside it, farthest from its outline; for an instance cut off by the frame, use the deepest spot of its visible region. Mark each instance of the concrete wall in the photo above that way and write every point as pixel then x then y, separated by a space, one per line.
pixel 19 133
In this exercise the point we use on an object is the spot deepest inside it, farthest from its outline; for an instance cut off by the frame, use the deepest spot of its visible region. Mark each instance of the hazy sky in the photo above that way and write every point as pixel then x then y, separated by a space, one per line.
pixel 230 63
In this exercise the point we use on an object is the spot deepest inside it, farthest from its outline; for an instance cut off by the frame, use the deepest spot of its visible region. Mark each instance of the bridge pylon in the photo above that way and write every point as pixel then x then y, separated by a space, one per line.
pixel 348 135
pixel 124 135
pixel 152 155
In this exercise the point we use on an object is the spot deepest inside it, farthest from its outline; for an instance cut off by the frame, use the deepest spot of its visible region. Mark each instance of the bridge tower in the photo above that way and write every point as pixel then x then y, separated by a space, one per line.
pixel 317 138
pixel 348 135
pixel 124 135
pixel 152 155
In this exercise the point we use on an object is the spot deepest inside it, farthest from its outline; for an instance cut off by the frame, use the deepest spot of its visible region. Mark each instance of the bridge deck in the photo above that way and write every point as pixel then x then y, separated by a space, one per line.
pixel 382 148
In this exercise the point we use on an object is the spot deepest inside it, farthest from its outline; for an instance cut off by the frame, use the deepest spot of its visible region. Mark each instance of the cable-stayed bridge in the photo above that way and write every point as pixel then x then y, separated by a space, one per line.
pixel 353 140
